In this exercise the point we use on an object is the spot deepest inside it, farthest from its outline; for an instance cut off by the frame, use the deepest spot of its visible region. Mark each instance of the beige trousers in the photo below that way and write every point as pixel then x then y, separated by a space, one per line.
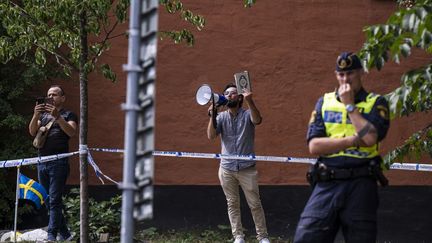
pixel 248 180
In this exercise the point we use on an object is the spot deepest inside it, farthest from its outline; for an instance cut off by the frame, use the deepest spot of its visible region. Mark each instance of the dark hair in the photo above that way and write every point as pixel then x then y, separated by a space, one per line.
pixel 232 85
pixel 62 93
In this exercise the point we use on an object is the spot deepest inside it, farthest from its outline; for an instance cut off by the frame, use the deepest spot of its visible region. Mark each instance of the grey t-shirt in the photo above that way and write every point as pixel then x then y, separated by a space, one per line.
pixel 237 136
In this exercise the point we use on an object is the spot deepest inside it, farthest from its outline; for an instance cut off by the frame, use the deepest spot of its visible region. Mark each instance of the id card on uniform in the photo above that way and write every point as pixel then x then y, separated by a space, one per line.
pixel 242 82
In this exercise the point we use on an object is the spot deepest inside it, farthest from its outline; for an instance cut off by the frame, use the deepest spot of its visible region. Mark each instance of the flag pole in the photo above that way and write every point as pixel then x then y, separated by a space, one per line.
pixel 16 204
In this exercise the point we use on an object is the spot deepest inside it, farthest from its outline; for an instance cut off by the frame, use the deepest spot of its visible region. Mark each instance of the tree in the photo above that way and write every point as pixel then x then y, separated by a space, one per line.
pixel 59 31
pixel 17 78
pixel 409 27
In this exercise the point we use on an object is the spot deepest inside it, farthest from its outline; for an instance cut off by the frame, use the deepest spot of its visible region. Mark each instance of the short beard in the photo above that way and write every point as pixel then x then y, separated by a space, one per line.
pixel 232 103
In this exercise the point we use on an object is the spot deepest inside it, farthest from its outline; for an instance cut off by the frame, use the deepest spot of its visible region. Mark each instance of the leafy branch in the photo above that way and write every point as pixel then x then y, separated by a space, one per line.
pixel 409 27
pixel 185 35
pixel 419 143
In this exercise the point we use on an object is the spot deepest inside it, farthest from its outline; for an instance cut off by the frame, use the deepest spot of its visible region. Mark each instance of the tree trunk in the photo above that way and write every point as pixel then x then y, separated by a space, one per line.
pixel 84 202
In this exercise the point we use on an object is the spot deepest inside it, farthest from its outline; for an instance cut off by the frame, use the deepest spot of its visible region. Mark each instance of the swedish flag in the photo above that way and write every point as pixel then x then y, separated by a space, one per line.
pixel 31 190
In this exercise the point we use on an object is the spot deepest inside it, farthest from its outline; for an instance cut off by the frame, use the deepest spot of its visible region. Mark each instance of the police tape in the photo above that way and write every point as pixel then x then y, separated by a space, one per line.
pixel 394 166
pixel 37 160
pixel 44 159
pixel 34 160
pixel 238 157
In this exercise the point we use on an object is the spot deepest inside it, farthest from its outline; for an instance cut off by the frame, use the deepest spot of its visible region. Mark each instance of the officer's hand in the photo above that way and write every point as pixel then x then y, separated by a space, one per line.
pixel 346 94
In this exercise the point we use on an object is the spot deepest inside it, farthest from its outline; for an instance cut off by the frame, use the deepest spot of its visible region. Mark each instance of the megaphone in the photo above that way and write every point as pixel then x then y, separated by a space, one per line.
pixel 204 96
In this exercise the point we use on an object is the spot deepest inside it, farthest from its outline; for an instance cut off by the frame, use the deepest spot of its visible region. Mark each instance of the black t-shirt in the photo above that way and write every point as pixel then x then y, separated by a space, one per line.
pixel 57 141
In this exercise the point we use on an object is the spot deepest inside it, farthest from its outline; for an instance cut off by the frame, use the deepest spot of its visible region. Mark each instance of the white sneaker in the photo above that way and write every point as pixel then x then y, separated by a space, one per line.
pixel 239 239
pixel 264 240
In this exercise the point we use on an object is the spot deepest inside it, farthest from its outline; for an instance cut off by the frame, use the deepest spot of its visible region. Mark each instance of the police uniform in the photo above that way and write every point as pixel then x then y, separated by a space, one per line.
pixel 346 194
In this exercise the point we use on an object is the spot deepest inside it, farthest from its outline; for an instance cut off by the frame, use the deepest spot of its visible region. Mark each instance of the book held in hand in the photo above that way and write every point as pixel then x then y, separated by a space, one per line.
pixel 242 81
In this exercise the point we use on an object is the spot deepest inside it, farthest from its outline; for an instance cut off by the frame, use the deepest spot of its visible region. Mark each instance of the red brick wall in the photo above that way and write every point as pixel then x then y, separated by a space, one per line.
pixel 289 48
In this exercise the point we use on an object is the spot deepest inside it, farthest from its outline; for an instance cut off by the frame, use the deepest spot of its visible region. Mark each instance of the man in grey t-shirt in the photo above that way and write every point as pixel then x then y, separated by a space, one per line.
pixel 236 127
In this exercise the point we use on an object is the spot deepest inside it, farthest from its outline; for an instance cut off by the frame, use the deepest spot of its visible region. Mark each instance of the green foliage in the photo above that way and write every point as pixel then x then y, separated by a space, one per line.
pixel 185 35
pixel 416 145
pixel 7 200
pixel 405 29
pixel 104 217
pixel 415 93
pixel 210 235
pixel 248 3
pixel 409 27
pixel 18 76
pixel 207 235
pixel 51 29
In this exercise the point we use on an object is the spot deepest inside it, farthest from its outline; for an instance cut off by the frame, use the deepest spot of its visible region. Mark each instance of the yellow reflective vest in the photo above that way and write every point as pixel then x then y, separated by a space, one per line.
pixel 338 125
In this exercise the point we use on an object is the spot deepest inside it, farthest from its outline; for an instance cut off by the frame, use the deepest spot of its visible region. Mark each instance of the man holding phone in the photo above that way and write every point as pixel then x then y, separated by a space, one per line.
pixel 53 175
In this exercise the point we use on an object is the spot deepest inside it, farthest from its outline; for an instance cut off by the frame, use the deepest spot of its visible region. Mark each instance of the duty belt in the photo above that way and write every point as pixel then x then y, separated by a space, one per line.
pixel 320 172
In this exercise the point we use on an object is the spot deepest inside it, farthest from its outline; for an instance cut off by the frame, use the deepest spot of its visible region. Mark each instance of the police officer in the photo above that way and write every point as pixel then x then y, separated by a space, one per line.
pixel 344 131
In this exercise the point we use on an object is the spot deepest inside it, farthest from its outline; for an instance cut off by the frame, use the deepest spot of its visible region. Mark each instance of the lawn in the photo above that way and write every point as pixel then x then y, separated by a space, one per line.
pixel 220 234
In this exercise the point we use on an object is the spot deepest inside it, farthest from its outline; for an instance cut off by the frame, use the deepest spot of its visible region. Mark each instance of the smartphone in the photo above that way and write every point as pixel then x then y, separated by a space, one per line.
pixel 49 101
pixel 40 100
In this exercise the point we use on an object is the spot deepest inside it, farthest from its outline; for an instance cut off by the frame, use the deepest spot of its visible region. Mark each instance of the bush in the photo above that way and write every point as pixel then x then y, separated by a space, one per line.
pixel 104 217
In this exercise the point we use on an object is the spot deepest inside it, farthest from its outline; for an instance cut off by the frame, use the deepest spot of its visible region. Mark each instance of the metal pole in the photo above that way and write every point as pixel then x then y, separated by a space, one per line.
pixel 131 108
pixel 16 203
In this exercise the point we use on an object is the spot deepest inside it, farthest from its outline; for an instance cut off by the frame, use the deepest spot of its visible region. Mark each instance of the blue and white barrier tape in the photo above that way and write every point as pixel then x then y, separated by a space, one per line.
pixel 239 157
pixel 394 166
pixel 411 166
pixel 36 160
pixel 110 150
pixel 45 159
pixel 98 171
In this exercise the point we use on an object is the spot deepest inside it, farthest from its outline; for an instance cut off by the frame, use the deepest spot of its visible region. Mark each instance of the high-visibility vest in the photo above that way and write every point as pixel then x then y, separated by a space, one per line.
pixel 338 125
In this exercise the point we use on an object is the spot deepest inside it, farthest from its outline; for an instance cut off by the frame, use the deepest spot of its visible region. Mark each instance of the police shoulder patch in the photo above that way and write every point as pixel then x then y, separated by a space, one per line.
pixel 383 111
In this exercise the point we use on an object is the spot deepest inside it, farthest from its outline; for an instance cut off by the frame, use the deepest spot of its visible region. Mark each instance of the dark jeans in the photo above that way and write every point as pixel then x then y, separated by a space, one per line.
pixel 349 204
pixel 53 176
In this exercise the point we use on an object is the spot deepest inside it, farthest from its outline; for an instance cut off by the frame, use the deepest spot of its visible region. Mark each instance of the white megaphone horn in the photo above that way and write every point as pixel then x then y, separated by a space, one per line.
pixel 204 96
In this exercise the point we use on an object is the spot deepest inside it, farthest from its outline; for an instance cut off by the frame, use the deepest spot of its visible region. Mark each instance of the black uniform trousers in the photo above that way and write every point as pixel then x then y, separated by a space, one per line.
pixel 350 204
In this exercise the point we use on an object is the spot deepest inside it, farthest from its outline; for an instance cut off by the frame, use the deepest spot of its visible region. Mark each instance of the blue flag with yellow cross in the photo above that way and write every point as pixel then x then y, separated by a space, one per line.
pixel 31 190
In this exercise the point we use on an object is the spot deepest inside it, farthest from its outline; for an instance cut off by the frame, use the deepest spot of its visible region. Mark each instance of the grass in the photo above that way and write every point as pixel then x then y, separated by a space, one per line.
pixel 220 235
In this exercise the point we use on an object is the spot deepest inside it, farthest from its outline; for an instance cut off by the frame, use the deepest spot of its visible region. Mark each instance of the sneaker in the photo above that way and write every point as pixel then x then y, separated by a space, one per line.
pixel 239 239
pixel 264 240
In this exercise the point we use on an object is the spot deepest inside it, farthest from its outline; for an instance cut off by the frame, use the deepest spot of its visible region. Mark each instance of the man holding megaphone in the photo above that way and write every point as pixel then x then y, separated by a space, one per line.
pixel 236 127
